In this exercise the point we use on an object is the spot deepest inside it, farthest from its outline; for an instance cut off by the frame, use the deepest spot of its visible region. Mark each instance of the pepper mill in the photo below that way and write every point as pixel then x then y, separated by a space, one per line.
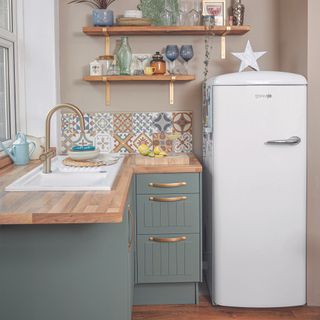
pixel 238 13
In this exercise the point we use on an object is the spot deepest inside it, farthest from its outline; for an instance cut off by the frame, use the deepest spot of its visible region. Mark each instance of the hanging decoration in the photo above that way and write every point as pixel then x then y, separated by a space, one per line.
pixel 249 58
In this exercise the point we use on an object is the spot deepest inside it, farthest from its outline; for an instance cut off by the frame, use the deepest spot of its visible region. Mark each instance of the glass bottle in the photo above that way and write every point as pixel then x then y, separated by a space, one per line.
pixel 124 57
pixel 238 13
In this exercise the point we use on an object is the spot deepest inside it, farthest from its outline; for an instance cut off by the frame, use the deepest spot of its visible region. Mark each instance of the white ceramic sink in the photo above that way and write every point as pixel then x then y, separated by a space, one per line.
pixel 64 178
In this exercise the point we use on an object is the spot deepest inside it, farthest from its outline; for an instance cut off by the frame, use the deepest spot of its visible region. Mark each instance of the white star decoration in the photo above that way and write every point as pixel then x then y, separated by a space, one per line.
pixel 249 58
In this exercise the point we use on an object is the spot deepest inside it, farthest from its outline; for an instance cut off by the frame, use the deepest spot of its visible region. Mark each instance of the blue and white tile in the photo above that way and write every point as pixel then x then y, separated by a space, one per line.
pixel 142 122
pixel 104 142
pixel 162 122
pixel 103 122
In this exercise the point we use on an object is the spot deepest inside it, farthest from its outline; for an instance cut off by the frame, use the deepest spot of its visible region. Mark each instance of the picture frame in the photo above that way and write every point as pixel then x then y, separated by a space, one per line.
pixel 217 9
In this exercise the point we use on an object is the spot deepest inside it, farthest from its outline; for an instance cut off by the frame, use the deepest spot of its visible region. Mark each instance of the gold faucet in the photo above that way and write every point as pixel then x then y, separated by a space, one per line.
pixel 49 154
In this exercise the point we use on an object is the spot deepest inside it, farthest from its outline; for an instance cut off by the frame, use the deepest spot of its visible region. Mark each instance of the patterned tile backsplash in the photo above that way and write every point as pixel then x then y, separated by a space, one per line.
pixel 124 132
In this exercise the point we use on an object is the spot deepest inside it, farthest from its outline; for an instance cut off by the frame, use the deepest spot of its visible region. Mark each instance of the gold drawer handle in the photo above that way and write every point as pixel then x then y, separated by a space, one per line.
pixel 168 240
pixel 167 185
pixel 174 199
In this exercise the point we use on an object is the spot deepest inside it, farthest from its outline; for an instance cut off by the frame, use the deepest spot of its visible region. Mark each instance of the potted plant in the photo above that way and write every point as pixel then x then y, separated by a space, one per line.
pixel 101 16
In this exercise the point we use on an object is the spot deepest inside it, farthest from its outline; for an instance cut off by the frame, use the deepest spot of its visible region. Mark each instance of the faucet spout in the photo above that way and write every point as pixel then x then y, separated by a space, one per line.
pixel 48 154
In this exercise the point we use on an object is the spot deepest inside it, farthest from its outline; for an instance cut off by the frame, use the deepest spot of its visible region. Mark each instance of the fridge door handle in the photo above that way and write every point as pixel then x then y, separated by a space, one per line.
pixel 291 141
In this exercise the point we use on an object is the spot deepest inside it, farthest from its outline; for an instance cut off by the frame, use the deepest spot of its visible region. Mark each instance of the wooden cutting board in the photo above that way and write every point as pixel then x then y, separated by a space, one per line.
pixel 172 159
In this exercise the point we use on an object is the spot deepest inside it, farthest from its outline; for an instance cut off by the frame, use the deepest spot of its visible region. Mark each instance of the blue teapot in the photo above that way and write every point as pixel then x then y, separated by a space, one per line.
pixel 20 150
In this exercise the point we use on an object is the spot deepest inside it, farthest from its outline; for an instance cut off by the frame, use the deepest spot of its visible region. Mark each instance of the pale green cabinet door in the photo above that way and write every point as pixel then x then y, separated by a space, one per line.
pixel 160 262
pixel 172 213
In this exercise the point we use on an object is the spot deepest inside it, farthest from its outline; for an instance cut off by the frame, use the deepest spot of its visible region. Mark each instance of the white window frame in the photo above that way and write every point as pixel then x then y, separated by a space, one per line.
pixel 8 39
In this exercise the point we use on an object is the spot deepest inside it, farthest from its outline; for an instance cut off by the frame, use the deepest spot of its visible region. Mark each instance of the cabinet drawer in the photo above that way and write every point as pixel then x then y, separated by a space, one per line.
pixel 168 183
pixel 168 258
pixel 169 213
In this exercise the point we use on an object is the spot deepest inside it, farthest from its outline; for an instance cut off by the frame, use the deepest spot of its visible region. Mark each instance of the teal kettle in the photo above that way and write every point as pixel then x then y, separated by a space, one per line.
pixel 20 151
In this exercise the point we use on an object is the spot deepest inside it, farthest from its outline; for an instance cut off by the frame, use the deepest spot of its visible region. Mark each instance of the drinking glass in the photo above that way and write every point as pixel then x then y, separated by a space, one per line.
pixel 167 15
pixel 182 17
pixel 194 15
pixel 186 53
pixel 141 58
pixel 172 54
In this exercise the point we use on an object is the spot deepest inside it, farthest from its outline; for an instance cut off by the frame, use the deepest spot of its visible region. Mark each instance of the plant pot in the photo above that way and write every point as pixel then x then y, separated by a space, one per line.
pixel 102 17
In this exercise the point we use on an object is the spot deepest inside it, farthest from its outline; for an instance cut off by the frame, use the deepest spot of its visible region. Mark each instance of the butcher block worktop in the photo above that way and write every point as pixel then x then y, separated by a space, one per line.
pixel 22 208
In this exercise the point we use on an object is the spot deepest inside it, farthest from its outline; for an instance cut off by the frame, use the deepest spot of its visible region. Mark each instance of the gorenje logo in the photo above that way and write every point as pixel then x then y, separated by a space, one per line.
pixel 263 96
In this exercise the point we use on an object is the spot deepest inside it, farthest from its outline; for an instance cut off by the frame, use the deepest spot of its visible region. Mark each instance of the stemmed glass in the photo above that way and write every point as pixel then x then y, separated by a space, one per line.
pixel 141 58
pixel 186 53
pixel 172 54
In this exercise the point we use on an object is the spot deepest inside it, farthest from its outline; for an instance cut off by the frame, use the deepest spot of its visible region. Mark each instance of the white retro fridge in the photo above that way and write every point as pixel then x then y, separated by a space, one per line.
pixel 255 189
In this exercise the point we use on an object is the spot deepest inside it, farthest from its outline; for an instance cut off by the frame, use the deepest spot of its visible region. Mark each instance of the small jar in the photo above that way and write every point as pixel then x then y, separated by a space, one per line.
pixel 106 62
pixel 158 64
pixel 95 68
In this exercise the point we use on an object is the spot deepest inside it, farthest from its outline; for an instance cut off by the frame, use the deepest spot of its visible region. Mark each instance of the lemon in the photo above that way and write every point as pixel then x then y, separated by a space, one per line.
pixel 144 150
pixel 163 153
pixel 157 150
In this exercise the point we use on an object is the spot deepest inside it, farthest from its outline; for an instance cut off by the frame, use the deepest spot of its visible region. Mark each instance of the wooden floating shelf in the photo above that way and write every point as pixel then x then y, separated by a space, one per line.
pixel 139 78
pixel 160 30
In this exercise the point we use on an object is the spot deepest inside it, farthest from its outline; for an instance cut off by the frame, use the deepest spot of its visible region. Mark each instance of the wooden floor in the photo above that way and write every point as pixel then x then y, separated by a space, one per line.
pixel 205 311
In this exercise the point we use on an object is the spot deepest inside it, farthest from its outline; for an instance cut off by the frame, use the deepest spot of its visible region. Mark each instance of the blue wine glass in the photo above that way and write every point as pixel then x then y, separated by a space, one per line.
pixel 172 54
pixel 186 54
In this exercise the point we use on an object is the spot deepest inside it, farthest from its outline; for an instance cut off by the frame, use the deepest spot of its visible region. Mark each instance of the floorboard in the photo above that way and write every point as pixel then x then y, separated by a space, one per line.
pixel 205 311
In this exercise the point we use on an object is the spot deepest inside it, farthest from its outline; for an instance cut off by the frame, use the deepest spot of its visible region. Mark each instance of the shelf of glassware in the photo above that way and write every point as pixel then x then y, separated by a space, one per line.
pixel 164 30
pixel 140 78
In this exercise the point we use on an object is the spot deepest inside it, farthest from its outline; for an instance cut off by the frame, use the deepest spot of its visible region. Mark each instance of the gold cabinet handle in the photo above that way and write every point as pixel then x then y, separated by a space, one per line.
pixel 167 240
pixel 131 220
pixel 173 199
pixel 167 185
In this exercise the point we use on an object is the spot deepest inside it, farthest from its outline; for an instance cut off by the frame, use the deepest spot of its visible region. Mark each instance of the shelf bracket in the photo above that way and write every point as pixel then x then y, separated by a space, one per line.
pixel 107 45
pixel 108 93
pixel 173 78
pixel 223 43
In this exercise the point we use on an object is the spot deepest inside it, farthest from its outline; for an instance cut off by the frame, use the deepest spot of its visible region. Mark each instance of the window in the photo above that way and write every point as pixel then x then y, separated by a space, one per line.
pixel 7 71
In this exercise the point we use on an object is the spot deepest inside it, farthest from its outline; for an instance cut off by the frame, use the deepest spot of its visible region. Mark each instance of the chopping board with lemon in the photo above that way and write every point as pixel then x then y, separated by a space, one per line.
pixel 157 156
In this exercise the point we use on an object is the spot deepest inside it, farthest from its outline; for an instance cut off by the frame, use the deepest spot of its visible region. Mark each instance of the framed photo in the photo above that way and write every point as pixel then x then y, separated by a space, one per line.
pixel 216 9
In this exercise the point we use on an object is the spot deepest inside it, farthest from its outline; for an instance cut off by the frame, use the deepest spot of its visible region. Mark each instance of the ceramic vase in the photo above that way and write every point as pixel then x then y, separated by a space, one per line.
pixel 102 17
pixel 124 57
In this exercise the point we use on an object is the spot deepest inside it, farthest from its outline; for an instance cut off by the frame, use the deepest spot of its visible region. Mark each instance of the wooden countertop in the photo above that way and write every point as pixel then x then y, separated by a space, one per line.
pixel 23 208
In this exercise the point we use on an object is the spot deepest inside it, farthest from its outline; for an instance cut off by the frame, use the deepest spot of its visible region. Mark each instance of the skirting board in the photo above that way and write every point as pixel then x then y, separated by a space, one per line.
pixel 166 293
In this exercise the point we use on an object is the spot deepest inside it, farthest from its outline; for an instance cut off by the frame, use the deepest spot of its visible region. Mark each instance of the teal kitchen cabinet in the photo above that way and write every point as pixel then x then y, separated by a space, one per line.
pixel 68 272
pixel 169 238
pixel 176 261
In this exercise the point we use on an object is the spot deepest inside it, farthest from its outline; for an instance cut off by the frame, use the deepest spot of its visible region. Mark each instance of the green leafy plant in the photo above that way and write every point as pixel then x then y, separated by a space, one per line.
pixel 98 4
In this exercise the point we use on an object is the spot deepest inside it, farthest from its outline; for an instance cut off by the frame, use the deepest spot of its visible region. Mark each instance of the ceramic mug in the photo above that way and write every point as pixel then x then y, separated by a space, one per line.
pixel 149 71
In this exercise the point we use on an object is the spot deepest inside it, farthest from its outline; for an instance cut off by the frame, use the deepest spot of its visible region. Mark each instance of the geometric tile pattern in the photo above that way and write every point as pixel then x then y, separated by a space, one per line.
pixel 124 132
pixel 182 122
pixel 162 122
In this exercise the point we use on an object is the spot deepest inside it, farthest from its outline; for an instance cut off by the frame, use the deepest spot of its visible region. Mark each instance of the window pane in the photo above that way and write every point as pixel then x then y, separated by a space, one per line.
pixel 5 130
pixel 5 15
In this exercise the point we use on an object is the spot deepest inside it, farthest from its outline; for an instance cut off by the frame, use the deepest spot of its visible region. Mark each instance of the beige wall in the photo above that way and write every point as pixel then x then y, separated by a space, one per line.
pixel 293 42
pixel 314 154
pixel 77 50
